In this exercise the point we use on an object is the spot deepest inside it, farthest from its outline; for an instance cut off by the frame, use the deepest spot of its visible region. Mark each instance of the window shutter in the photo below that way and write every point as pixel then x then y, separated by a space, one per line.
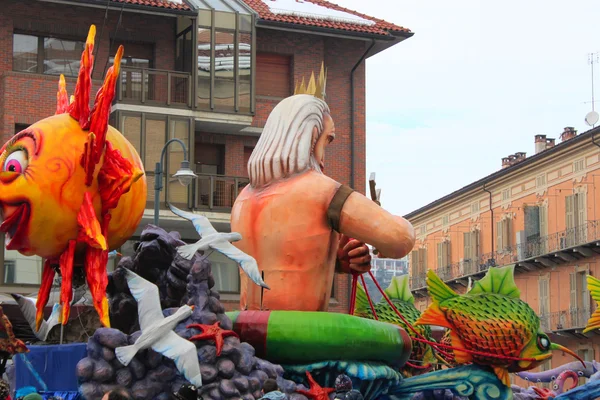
pixel 585 294
pixel 570 211
pixel 573 288
pixel 507 235
pixel 422 261
pixel 414 263
pixel 543 221
pixel 447 253
pixel 440 255
pixel 467 242
pixel 543 284
pixel 499 232
pixel 532 222
pixel 580 216
pixel 475 245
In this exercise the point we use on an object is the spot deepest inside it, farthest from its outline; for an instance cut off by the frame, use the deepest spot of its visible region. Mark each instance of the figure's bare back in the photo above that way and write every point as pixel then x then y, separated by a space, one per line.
pixel 284 227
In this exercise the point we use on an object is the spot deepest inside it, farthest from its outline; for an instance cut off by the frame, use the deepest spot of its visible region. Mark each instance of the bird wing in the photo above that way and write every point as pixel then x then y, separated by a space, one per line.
pixel 247 263
pixel 201 223
pixel 183 352
pixel 27 307
pixel 148 299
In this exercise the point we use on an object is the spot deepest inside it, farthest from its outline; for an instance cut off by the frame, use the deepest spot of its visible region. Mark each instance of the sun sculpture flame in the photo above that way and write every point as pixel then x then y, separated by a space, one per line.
pixel 72 188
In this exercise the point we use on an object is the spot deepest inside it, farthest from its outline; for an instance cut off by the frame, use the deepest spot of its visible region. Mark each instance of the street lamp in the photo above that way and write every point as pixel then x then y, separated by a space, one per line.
pixel 184 175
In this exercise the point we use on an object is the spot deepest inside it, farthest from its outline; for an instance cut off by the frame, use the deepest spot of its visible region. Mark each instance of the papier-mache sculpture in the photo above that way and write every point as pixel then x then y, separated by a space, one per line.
pixel 72 188
pixel 303 218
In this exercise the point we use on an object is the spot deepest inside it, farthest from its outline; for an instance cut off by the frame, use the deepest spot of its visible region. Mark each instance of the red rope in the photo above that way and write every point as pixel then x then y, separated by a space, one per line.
pixel 353 294
pixel 414 366
pixel 437 346
pixel 362 280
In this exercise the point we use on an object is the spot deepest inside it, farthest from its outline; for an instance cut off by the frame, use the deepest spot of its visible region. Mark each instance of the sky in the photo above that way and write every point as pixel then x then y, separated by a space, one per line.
pixel 476 82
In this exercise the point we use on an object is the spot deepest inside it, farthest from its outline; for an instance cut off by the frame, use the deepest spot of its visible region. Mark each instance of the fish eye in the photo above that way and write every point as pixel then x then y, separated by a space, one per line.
pixel 543 343
pixel 555 387
pixel 552 378
pixel 16 162
pixel 580 373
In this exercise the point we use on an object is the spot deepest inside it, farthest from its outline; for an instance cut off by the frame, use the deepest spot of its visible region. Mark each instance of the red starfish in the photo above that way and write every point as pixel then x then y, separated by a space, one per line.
pixel 212 332
pixel 316 392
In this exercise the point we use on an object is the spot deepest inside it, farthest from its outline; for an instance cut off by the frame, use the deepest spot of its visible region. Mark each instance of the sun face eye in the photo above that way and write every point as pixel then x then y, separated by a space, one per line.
pixel 16 162
pixel 543 343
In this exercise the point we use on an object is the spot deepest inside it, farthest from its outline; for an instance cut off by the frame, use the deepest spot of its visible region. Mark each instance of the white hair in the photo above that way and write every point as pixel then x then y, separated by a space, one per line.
pixel 287 142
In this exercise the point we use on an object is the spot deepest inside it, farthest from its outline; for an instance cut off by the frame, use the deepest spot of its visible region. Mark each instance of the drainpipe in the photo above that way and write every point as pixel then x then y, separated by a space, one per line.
pixel 353 109
pixel 492 216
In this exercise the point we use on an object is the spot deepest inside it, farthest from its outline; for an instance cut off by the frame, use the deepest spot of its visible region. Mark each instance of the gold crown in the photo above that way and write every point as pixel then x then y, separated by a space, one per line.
pixel 315 87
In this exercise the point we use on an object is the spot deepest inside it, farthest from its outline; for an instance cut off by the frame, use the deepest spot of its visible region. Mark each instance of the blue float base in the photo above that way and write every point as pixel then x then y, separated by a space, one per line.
pixel 55 364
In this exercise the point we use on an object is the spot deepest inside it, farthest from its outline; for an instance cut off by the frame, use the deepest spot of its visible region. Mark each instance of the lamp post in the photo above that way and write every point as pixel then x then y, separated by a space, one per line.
pixel 184 175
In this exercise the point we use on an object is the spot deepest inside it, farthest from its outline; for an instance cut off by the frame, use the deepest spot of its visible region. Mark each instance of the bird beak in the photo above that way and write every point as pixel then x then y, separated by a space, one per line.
pixel 555 346
pixel 192 307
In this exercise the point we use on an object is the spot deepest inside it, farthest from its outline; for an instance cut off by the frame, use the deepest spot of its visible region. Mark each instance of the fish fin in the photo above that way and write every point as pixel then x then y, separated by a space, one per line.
pixel 438 290
pixel 460 357
pixel 90 231
pixel 361 305
pixel 502 374
pixel 433 316
pixel 499 281
pixel 593 285
pixel 400 290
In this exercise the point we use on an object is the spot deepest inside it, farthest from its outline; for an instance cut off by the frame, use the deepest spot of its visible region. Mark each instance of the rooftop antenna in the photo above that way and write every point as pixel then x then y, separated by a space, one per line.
pixel 375 196
pixel 592 117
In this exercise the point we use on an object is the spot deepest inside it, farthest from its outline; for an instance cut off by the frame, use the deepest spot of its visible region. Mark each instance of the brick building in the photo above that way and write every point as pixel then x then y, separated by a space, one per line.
pixel 206 72
pixel 537 213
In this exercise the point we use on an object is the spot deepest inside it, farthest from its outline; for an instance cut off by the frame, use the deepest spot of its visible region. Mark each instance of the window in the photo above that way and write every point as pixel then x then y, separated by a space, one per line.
pixel 225 62
pixel 136 56
pixel 443 260
pixel 46 55
pixel 536 230
pixel 544 303
pixel 475 207
pixel 505 194
pixel 540 181
pixel 575 209
pixel 445 220
pixel 471 251
pixel 225 272
pixel 273 75
pixel 580 299
pixel 504 234
pixel 578 166
pixel 418 267
pixel 423 229
pixel 20 127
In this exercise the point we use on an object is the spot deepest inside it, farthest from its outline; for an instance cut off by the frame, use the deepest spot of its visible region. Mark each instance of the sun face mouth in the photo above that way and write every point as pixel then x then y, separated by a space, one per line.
pixel 15 225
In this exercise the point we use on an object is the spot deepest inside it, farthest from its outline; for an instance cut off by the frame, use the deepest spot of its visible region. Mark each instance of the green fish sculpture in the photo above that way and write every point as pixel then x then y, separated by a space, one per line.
pixel 399 294
pixel 491 322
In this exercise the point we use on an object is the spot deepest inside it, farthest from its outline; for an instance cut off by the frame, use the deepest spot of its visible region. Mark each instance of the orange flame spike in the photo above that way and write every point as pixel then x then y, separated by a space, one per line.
pixel 87 161
pixel 115 178
pixel 62 98
pixel 44 293
pixel 80 108
pixel 97 279
pixel 102 103
pixel 90 231
pixel 66 272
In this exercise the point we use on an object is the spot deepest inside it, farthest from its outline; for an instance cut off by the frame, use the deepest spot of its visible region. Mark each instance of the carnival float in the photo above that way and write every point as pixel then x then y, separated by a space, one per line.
pixel 72 189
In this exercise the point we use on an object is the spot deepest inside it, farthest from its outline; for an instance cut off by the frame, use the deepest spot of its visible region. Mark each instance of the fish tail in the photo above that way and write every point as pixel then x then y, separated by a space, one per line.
pixel 361 305
pixel 433 316
pixel 438 290
pixel 461 357
pixel 593 285
pixel 126 353
pixel 502 374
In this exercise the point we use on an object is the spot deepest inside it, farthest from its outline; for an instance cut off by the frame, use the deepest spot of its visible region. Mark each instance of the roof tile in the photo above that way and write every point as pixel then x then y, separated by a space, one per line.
pixel 381 27
pixel 171 5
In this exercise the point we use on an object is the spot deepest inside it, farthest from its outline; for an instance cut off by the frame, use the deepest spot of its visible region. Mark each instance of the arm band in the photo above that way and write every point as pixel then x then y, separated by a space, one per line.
pixel 335 207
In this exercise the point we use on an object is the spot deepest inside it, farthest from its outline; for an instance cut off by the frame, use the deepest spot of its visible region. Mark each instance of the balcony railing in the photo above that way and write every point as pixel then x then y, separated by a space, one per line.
pixel 574 318
pixel 522 253
pixel 218 192
pixel 155 87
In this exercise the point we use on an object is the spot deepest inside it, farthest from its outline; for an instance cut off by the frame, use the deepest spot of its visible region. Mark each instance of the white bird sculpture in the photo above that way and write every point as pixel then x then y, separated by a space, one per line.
pixel 221 242
pixel 157 331
pixel 27 307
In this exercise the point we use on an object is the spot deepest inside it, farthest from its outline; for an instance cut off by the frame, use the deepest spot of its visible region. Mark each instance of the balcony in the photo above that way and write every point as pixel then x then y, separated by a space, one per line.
pixel 568 322
pixel 155 87
pixel 549 251
pixel 218 192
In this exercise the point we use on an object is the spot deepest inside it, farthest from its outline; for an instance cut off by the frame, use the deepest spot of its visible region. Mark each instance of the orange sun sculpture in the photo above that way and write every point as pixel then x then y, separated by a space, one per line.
pixel 72 188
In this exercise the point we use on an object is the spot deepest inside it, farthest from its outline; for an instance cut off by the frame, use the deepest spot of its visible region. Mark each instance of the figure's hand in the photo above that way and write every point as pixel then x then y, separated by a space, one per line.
pixel 353 255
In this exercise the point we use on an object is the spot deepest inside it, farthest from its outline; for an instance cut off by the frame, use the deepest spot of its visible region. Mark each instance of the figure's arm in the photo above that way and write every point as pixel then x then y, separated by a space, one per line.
pixel 365 221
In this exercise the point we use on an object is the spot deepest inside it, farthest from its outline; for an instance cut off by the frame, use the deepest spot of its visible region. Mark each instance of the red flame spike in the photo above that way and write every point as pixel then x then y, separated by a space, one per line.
pixel 115 178
pixel 44 293
pixel 62 98
pixel 102 103
pixel 80 108
pixel 95 274
pixel 66 271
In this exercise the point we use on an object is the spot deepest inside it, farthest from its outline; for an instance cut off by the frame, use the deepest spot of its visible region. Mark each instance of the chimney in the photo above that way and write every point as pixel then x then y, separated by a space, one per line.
pixel 550 143
pixel 540 143
pixel 505 162
pixel 568 133
pixel 520 156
